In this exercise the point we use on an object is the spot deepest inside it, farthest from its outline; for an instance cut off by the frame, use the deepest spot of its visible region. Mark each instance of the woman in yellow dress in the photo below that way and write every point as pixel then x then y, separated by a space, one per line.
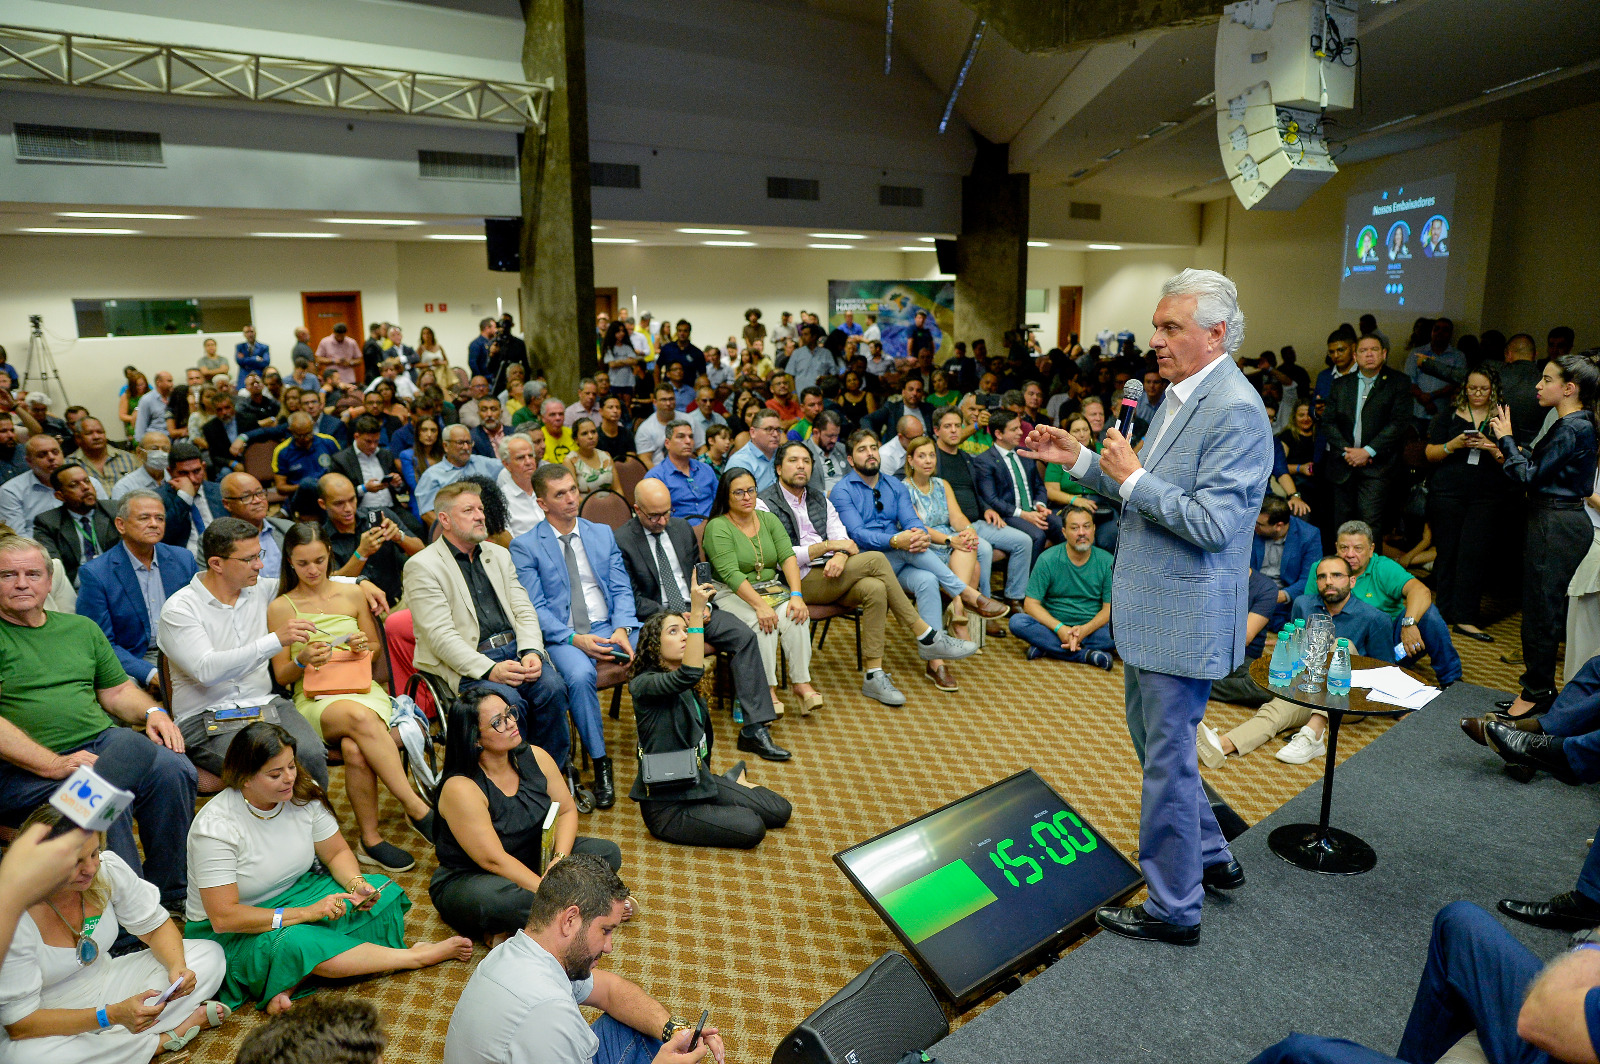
pixel 358 723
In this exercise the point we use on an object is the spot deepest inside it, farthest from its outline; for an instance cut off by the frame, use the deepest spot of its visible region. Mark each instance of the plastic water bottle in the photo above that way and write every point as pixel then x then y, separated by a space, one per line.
pixel 1302 645
pixel 1339 670
pixel 1280 671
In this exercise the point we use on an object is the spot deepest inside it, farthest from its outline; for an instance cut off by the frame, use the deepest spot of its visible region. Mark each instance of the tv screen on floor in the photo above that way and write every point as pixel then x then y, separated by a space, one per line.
pixel 991 884
pixel 1397 243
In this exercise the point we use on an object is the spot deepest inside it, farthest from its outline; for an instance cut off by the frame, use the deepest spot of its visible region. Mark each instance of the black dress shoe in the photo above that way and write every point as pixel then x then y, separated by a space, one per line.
pixel 1564 912
pixel 1480 636
pixel 756 739
pixel 1132 921
pixel 1530 750
pixel 605 786
pixel 1224 875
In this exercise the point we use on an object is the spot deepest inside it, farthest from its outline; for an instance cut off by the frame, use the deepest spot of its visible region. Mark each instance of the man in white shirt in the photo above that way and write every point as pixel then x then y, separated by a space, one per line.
pixel 152 471
pixel 392 371
pixel 651 435
pixel 517 464
pixel 214 634
pixel 833 570
pixel 893 453
pixel 871 333
pixel 521 1004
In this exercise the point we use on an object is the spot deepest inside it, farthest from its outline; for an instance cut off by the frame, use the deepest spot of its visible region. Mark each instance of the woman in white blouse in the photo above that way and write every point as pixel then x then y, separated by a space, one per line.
pixel 254 885
pixel 64 999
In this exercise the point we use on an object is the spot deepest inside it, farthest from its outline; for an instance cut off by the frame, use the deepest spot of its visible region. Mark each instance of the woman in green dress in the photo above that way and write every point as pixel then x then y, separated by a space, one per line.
pixel 256 886
pixel 591 467
pixel 357 723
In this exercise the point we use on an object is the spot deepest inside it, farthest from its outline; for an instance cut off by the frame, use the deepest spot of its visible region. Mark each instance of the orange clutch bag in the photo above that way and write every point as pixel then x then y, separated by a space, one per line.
pixel 346 673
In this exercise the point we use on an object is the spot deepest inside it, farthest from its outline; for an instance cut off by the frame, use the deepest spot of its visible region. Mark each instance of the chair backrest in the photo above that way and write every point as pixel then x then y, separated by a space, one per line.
pixel 626 475
pixel 607 508
pixel 258 461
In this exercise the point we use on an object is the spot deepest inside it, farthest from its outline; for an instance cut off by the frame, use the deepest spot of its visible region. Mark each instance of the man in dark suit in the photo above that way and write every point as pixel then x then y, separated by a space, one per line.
pixel 124 589
pixel 1285 549
pixel 1365 424
pixel 82 527
pixel 886 418
pixel 1002 477
pixel 192 501
pixel 660 553
pixel 227 424
pixel 372 469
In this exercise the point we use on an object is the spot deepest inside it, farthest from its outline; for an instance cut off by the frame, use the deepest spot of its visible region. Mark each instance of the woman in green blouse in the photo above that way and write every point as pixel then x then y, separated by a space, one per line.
pixel 754 562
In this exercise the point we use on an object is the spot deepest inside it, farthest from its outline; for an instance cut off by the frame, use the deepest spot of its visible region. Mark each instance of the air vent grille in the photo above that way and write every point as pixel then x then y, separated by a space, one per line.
pixel 73 144
pixel 467 166
pixel 613 175
pixel 899 196
pixel 795 188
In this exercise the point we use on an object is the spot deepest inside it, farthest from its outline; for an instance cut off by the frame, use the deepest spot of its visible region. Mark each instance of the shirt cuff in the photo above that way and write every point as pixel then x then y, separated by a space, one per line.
pixel 1126 491
pixel 1370 451
pixel 1081 466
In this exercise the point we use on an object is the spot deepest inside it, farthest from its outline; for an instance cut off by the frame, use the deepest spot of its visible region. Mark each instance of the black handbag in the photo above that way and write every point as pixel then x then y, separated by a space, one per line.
pixel 670 772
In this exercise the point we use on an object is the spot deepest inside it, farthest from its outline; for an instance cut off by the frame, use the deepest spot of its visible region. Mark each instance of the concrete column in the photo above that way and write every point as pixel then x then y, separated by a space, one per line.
pixel 992 250
pixel 557 258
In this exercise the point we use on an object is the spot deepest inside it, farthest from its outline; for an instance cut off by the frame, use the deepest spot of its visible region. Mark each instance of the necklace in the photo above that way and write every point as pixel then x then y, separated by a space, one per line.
pixel 258 814
pixel 82 944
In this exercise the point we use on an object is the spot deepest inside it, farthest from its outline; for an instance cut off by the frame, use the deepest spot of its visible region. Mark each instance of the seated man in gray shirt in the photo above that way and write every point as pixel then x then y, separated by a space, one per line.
pixel 521 1004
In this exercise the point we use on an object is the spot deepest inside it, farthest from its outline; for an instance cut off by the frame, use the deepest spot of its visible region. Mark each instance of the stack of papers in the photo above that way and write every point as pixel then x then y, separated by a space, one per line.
pixel 1393 686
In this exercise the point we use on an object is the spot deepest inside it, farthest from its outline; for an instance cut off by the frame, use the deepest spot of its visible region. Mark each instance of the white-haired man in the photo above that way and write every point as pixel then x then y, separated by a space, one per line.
pixel 1190 498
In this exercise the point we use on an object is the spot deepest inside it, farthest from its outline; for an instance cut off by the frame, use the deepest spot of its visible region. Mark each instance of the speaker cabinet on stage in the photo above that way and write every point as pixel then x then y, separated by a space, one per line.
pixel 504 238
pixel 881 1015
pixel 949 258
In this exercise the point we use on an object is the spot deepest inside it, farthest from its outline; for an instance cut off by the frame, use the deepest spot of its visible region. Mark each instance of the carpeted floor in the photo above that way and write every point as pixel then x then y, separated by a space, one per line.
pixel 762 937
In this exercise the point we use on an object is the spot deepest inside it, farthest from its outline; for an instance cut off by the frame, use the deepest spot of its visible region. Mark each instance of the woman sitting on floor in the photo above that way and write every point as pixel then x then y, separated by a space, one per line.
pixel 725 810
pixel 64 999
pixel 489 834
pixel 256 887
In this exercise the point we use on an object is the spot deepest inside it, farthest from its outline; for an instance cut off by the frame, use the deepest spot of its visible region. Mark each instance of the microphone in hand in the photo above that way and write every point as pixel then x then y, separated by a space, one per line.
pixel 1132 392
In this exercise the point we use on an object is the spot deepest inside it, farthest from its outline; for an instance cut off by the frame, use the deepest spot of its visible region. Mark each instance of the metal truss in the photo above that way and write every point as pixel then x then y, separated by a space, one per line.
pixel 175 70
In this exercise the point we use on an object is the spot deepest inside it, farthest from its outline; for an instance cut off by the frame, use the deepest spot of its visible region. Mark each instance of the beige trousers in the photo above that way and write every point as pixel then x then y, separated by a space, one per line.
pixel 796 638
pixel 868 583
pixel 1272 718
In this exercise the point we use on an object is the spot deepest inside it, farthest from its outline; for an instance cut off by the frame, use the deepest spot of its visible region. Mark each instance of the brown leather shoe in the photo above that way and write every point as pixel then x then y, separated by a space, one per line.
pixel 996 630
pixel 1473 726
pixel 940 675
pixel 988 608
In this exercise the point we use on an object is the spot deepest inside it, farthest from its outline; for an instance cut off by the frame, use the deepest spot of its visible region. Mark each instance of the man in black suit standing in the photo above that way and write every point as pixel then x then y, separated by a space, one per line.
pixel 1365 425
pixel 660 553
pixel 82 527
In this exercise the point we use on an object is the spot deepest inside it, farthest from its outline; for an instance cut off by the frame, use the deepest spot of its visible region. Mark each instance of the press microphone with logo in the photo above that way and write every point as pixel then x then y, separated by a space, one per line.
pixel 1132 392
pixel 94 796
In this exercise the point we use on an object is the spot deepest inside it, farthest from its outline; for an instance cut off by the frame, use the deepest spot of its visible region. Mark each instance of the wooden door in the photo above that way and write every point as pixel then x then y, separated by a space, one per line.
pixel 605 302
pixel 1070 320
pixel 324 310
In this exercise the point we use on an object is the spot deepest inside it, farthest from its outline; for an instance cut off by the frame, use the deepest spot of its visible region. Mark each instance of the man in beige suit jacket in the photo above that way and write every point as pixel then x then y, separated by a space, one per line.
pixel 475 626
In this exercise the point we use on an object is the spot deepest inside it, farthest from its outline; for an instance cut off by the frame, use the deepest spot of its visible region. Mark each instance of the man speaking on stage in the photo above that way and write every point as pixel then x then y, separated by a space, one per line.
pixel 1178 596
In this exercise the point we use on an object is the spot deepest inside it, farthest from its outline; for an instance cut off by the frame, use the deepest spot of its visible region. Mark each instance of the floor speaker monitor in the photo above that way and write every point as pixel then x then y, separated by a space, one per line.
pixel 881 1015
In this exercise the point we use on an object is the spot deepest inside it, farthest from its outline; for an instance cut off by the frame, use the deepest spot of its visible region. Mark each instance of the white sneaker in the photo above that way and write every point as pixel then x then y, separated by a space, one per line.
pixel 1209 745
pixel 1302 748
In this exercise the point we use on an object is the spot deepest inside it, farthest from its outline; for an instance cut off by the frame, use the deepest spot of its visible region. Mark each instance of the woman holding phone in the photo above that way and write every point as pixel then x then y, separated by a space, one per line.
pixel 1466 493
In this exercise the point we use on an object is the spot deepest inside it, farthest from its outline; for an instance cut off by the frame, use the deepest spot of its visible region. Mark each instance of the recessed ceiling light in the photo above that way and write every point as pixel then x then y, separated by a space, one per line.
pixel 1038 243
pixel 839 236
pixel 1156 130
pixel 1105 247
pixel 915 248
pixel 300 236
pixel 1112 154
pixel 456 236
pixel 612 240
pixel 927 239
pixel 595 228
pixel 122 214
pixel 716 232
pixel 832 247
pixel 729 243
pixel 369 221
pixel 76 231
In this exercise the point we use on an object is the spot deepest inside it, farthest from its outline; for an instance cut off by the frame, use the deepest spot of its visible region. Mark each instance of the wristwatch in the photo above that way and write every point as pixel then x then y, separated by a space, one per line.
pixel 674 1025
pixel 1408 622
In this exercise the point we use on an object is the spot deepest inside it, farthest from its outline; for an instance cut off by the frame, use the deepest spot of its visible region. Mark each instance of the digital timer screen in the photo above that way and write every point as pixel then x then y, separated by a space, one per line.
pixel 977 889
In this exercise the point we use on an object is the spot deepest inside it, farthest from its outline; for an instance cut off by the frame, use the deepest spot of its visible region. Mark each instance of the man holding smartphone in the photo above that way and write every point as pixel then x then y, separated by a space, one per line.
pixel 371 545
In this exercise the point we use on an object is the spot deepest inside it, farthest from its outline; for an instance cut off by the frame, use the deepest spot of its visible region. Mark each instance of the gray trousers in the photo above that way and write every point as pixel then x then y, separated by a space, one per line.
pixel 206 739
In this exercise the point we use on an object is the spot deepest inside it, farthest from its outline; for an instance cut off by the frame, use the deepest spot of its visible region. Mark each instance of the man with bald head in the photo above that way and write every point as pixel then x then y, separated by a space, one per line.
pixel 26 497
pixel 151 457
pixel 244 497
pixel 892 455
pixel 366 544
pixel 660 553
pixel 557 435
pixel 299 461
pixel 459 461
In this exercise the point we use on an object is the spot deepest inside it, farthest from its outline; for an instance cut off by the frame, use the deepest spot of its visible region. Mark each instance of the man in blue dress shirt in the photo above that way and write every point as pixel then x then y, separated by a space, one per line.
pixel 693 483
pixel 251 356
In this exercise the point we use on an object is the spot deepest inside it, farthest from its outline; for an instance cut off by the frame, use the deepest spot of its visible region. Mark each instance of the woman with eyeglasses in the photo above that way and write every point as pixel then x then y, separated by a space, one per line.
pixel 65 1000
pixel 1466 494
pixel 496 794
pixel 705 810
pixel 753 558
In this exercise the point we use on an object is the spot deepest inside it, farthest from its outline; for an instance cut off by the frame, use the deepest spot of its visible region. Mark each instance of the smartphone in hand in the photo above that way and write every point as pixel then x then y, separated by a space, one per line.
pixel 702 573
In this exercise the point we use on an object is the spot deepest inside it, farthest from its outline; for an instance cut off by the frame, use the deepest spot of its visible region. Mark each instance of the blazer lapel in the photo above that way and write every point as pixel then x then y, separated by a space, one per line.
pixel 1186 412
pixel 598 558
pixel 550 544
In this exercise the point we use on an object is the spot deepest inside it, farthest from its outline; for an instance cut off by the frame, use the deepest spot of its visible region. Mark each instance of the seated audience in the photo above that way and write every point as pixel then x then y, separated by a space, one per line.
pixel 576 580
pixel 1285 550
pixel 1238 687
pixel 80 529
pixel 892 456
pixel 878 515
pixel 371 546
pixel 490 836
pixel 558 442
pixel 459 461
pixel 225 425
pixel 766 432
pixel 63 693
pixel 152 458
pixel 1067 614
pixel 123 590
pixel 474 624
pixel 660 552
pixel 372 470
pixel 519 457
pixel 257 406
pixel 1011 486
pixel 829 462
pixel 952 537
pixel 490 430
pixel 908 403
pixel 192 501
pixel 358 722
pixel 719 444
pixel 105 463
pixel 322 1031
pixel 298 461
pixel 955 467
pixel 244 497
pixel 272 881
pixel 613 436
pixel 726 810
pixel 1371 634
pixel 1384 583
pixel 835 571
pixel 591 466
pixel 98 1010
pixel 23 498
pixel 650 434
pixel 521 1004
pixel 415 460
pixel 692 482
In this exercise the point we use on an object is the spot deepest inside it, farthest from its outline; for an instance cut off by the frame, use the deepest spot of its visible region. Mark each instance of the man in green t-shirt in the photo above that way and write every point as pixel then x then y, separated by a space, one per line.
pixel 1067 614
pixel 1384 584
pixel 61 685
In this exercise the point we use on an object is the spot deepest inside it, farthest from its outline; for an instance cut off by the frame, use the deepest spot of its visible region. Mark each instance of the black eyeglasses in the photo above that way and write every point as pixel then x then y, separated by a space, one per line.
pixel 503 722
pixel 877 500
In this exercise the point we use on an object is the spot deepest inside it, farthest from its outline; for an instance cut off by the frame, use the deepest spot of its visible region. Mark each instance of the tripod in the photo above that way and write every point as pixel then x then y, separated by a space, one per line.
pixel 39 355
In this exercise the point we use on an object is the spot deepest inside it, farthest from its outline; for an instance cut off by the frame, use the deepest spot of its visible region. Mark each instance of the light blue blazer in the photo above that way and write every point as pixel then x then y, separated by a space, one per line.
pixel 542 568
pixel 1181 580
